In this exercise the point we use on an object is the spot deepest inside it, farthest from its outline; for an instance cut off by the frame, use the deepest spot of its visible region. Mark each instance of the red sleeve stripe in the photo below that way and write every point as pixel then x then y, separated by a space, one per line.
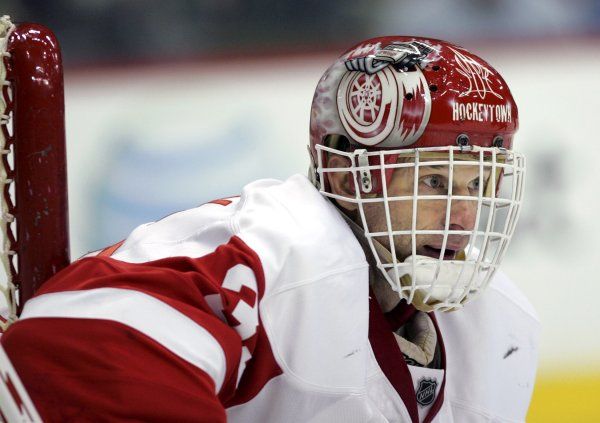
pixel 89 370
pixel 144 313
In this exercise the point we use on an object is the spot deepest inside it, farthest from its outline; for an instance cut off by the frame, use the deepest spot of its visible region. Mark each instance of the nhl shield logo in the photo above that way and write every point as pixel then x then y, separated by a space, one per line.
pixel 426 391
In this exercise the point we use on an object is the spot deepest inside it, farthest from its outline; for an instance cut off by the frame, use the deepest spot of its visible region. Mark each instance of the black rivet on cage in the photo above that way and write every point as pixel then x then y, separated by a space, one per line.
pixel 462 140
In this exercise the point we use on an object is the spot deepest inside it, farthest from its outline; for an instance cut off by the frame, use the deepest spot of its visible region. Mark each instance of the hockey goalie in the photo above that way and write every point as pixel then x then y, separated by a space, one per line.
pixel 369 291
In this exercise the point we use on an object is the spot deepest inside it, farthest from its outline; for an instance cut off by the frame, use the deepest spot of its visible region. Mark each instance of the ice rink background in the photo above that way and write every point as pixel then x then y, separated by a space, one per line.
pixel 152 131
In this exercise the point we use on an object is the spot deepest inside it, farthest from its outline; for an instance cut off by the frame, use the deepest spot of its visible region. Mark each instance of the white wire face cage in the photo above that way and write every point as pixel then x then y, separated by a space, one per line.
pixel 440 223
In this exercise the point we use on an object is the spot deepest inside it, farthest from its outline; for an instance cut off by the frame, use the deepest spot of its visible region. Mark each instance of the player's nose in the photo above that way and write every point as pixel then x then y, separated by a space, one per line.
pixel 463 214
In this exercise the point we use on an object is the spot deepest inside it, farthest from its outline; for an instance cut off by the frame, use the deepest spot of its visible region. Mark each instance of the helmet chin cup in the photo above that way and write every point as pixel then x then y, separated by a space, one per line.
pixel 436 284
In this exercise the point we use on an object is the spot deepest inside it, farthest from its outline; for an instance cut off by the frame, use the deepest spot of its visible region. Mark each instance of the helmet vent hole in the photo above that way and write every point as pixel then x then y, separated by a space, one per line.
pixel 435 68
pixel 409 96
pixel 433 87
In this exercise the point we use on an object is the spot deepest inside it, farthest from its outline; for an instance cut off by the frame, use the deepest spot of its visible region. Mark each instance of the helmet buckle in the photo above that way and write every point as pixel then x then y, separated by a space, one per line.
pixel 366 181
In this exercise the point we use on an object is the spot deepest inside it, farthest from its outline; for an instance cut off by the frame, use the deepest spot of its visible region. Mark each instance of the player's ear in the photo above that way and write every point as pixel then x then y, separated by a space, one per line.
pixel 339 182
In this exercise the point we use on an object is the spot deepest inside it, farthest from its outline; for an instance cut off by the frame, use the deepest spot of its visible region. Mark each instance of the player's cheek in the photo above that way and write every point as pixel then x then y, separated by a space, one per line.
pixel 431 213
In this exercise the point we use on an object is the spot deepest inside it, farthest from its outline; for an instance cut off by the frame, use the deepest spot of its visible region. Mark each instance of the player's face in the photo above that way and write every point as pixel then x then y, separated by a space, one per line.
pixel 431 213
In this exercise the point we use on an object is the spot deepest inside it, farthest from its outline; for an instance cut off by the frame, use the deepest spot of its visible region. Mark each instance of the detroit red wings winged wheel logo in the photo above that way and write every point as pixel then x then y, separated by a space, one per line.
pixel 384 99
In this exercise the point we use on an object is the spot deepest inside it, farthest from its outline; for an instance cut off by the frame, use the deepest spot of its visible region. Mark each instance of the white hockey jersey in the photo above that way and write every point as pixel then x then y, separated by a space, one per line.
pixel 257 309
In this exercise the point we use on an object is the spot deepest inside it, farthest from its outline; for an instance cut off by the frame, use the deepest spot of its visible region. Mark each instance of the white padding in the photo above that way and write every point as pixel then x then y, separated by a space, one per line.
pixel 144 313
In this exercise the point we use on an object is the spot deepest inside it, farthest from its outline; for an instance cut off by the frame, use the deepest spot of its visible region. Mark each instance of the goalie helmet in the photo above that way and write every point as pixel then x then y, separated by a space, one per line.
pixel 411 103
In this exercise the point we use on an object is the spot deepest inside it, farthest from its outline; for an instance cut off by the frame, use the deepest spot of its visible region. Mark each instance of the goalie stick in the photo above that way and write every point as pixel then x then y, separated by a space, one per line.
pixel 15 404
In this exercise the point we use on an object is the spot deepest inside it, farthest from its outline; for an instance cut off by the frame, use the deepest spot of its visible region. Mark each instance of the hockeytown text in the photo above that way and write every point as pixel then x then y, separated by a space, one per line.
pixel 481 112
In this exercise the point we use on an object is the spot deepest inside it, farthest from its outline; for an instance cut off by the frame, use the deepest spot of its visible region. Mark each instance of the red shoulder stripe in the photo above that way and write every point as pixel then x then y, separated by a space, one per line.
pixel 109 251
pixel 221 202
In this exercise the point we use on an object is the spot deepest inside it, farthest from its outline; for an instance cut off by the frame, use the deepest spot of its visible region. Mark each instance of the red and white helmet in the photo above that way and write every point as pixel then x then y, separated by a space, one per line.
pixel 426 101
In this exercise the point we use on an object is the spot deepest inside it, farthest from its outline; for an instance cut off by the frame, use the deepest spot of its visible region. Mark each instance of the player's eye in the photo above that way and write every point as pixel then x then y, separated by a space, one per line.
pixel 474 185
pixel 435 182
